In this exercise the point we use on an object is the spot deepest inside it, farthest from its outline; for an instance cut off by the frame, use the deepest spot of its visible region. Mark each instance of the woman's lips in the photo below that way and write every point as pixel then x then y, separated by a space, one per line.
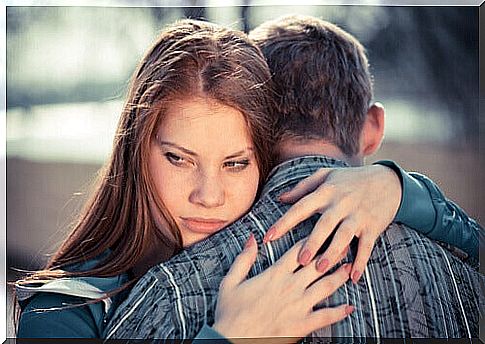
pixel 202 225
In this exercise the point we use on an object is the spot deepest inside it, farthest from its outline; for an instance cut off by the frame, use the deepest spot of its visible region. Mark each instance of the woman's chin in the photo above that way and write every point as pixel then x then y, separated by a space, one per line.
pixel 194 239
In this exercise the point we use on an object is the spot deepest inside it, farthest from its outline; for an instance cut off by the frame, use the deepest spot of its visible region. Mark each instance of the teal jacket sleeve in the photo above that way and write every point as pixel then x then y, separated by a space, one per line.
pixel 48 315
pixel 208 335
pixel 425 209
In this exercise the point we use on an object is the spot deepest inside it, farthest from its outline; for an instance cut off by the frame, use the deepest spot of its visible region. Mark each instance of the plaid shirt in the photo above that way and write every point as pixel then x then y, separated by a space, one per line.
pixel 411 287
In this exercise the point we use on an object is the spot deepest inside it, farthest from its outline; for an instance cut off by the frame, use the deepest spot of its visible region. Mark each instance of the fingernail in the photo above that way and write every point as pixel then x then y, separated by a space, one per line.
pixel 250 241
pixel 283 196
pixel 347 268
pixel 322 265
pixel 269 235
pixel 356 276
pixel 305 256
pixel 349 309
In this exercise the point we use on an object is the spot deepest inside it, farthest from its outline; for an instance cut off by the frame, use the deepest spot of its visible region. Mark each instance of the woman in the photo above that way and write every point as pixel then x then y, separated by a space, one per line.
pixel 196 126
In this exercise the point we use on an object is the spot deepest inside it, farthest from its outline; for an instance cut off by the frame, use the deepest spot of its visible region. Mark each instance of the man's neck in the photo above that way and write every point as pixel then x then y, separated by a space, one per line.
pixel 295 147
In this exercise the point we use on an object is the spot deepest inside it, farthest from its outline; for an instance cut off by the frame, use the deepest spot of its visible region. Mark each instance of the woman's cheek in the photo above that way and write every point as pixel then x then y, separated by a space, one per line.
pixel 172 185
pixel 244 189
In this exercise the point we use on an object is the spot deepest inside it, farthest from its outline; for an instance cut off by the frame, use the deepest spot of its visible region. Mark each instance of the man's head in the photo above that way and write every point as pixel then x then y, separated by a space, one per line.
pixel 323 84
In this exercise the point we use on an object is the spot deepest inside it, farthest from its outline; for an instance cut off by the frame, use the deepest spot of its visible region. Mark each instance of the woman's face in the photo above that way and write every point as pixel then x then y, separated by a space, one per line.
pixel 204 167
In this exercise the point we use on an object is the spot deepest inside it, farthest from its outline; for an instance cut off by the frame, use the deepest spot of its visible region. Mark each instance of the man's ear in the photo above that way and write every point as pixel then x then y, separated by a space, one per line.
pixel 373 130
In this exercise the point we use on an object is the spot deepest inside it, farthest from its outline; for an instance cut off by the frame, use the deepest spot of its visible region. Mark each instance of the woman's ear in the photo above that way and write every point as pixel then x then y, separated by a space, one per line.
pixel 373 130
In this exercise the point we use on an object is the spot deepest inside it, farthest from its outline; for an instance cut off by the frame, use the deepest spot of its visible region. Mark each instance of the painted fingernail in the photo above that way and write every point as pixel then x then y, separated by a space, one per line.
pixel 305 256
pixel 322 265
pixel 250 241
pixel 356 276
pixel 269 235
pixel 349 309
pixel 283 197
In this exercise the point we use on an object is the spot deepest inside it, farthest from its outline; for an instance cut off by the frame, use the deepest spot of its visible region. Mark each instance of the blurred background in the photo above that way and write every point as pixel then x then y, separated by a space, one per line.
pixel 68 70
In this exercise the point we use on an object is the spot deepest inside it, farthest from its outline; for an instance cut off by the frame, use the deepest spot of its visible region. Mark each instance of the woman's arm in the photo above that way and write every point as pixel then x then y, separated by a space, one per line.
pixel 361 202
pixel 426 209
pixel 46 316
pixel 76 322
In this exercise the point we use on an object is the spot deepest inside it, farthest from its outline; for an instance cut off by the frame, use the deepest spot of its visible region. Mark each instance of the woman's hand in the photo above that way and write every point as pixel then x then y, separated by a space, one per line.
pixel 355 202
pixel 279 301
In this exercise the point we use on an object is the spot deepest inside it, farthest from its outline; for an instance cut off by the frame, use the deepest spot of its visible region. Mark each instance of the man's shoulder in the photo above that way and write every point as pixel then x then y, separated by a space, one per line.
pixel 403 242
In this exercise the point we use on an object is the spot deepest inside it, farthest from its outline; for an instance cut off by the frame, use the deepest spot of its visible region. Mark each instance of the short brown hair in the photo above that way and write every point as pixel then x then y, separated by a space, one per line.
pixel 321 77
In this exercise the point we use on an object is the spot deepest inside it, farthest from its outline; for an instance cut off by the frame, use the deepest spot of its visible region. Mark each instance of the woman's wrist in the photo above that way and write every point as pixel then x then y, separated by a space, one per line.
pixel 219 329
pixel 397 172
pixel 416 208
pixel 395 191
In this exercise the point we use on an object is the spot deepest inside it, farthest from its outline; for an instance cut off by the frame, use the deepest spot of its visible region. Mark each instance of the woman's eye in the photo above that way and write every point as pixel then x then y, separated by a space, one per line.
pixel 175 159
pixel 238 165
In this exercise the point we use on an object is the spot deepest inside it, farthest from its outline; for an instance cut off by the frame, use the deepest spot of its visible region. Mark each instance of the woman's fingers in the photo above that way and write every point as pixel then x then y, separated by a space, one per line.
pixel 289 261
pixel 326 316
pixel 343 236
pixel 326 286
pixel 309 273
pixel 343 254
pixel 323 228
pixel 242 264
pixel 366 244
pixel 300 211
pixel 322 289
pixel 305 186
pixel 276 302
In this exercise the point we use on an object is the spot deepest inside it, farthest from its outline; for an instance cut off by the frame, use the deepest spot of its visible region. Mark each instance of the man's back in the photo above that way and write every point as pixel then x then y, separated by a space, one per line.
pixel 411 288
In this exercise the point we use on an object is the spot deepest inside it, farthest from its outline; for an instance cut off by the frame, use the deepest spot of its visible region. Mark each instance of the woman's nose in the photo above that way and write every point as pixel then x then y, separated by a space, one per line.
pixel 208 192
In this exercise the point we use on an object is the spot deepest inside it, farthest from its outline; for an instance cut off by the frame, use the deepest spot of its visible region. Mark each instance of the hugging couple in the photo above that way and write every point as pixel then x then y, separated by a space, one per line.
pixel 235 204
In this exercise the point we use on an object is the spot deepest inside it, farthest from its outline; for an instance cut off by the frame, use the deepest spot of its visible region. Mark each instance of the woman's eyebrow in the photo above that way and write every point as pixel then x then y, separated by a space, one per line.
pixel 185 150
pixel 189 152
pixel 241 152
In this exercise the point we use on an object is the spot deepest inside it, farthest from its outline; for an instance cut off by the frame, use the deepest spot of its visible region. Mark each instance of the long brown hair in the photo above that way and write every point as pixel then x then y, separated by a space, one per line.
pixel 189 58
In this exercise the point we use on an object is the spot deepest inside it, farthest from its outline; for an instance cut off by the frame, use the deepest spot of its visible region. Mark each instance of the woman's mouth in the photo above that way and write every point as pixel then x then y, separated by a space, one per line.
pixel 203 225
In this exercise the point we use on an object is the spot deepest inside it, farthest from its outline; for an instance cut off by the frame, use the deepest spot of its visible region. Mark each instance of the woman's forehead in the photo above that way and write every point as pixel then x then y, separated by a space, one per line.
pixel 204 124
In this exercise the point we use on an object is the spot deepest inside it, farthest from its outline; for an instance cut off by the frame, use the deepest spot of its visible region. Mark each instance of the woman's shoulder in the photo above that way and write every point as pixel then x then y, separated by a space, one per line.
pixel 54 315
pixel 67 307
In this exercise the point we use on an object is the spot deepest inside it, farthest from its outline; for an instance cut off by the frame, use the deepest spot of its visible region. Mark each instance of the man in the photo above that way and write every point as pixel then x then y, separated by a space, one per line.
pixel 411 288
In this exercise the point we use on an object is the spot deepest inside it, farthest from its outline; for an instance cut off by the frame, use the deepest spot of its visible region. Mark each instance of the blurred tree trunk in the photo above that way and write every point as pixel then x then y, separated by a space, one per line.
pixel 195 12
pixel 158 13
pixel 244 16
